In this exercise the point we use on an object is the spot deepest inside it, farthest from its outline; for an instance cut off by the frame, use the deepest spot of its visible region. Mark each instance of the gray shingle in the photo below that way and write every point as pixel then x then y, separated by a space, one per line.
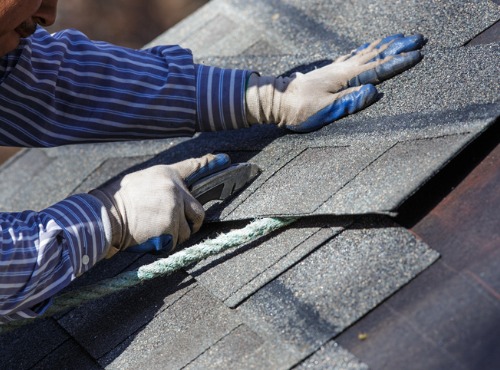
pixel 331 357
pixel 394 176
pixel 177 335
pixel 99 151
pixel 307 181
pixel 19 173
pixel 298 27
pixel 26 346
pixel 107 171
pixel 68 356
pixel 230 352
pixel 120 315
pixel 57 180
pixel 236 275
pixel 323 294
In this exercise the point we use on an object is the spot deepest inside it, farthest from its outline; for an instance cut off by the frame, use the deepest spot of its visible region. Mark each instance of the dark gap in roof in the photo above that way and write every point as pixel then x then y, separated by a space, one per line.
pixel 427 197
pixel 488 36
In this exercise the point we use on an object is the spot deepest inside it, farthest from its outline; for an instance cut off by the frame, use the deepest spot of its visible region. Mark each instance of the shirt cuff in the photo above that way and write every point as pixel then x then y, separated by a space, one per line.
pixel 86 229
pixel 220 97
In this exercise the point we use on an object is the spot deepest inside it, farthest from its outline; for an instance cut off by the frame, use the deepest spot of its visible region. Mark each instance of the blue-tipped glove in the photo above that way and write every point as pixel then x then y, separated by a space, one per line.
pixel 153 210
pixel 307 102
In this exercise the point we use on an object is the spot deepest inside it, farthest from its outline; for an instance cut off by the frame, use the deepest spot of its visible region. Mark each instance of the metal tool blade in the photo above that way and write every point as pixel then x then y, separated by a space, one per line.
pixel 223 184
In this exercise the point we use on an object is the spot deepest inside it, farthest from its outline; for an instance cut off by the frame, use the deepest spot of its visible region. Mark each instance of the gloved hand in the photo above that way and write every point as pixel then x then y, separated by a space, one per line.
pixel 307 102
pixel 154 206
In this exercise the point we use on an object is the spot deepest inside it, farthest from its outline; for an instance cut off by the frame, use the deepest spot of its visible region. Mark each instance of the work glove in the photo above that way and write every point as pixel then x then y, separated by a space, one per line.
pixel 153 207
pixel 307 102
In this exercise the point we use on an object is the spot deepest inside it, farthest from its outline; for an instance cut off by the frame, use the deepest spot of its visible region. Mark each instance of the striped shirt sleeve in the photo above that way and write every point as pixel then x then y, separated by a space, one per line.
pixel 220 98
pixel 42 252
pixel 63 89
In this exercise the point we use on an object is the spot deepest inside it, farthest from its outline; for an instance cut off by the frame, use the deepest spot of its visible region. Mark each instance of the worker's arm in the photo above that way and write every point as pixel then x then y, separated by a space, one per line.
pixel 64 89
pixel 42 252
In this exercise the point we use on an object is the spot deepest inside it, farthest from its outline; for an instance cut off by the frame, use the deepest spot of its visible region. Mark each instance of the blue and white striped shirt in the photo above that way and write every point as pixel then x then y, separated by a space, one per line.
pixel 63 89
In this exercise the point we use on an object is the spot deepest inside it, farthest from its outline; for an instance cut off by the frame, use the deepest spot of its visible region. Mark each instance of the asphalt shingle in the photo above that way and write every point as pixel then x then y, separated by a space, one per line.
pixel 27 346
pixel 332 356
pixel 119 316
pixel 177 335
pixel 318 298
pixel 68 356
pixel 317 26
pixel 236 275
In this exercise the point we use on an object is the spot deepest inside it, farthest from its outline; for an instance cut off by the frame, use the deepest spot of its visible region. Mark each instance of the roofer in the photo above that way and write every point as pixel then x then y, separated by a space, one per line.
pixel 64 89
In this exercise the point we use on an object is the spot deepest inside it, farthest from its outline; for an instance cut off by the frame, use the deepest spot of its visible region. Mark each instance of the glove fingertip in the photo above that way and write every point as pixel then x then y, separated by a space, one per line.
pixel 398 64
pixel 404 45
pixel 348 104
pixel 390 38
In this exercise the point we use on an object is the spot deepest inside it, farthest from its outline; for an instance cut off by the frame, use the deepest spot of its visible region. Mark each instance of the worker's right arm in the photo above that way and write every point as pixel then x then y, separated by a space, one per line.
pixel 41 252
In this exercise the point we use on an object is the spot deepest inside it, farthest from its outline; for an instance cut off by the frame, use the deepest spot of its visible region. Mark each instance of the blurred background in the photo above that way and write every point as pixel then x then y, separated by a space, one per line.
pixel 130 23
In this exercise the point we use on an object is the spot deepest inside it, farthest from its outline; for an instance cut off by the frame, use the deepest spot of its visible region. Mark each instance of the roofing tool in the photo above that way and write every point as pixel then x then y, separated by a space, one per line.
pixel 223 184
pixel 216 186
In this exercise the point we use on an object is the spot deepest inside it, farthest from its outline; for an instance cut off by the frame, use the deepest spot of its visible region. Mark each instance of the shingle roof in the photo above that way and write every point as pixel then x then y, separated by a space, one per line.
pixel 281 301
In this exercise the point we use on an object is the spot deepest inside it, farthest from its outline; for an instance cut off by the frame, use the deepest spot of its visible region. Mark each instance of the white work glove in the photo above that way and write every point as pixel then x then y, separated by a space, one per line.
pixel 154 206
pixel 306 102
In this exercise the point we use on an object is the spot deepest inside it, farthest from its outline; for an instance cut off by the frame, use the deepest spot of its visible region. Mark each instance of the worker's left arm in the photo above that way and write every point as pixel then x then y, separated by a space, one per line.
pixel 66 89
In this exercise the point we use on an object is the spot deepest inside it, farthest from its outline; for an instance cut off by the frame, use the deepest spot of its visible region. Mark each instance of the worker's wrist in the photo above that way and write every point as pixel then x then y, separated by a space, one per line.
pixel 111 222
pixel 220 98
